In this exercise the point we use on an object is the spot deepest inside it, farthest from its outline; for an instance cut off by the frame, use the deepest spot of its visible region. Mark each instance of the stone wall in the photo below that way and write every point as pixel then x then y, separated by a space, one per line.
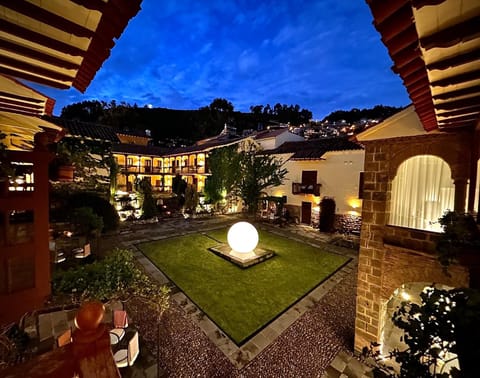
pixel 390 256
pixel 348 224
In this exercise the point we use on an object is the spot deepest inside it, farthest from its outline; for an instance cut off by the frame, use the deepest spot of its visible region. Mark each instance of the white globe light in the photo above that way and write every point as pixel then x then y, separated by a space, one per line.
pixel 242 237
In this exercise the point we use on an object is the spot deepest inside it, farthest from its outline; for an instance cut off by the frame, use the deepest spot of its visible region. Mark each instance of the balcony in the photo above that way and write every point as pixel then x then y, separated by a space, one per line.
pixel 303 188
pixel 146 169
pixel 190 169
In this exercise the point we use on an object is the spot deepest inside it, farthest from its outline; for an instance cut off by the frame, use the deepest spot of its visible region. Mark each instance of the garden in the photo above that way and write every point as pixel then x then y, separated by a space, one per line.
pixel 242 301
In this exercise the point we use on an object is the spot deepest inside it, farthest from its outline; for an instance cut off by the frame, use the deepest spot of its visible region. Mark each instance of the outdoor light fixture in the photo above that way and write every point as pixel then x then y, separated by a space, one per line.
pixel 242 237
pixel 242 249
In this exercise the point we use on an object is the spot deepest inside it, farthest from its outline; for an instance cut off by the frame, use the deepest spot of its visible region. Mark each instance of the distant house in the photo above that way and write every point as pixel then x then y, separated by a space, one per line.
pixel 316 169
pixel 273 138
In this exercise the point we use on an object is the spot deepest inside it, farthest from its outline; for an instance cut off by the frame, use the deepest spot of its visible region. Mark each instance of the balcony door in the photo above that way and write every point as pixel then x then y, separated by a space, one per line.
pixel 309 180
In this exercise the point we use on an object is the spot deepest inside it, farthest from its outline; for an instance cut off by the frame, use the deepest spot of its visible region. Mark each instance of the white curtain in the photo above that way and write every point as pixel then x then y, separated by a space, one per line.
pixel 421 192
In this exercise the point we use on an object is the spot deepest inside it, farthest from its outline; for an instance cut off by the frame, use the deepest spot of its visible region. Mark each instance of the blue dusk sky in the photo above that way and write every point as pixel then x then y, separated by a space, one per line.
pixel 182 54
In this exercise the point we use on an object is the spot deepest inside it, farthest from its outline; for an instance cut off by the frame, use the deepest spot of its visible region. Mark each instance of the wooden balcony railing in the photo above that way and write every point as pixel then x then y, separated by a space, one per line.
pixel 166 170
pixel 302 188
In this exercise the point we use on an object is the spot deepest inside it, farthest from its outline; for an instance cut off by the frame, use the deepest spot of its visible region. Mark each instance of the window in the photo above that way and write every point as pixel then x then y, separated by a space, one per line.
pixel 421 192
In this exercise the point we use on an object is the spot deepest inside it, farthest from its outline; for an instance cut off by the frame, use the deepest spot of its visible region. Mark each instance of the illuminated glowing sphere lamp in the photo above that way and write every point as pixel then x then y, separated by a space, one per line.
pixel 242 238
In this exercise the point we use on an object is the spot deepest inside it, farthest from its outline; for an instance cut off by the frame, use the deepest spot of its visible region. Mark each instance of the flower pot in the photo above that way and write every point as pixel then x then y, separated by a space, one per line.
pixel 65 173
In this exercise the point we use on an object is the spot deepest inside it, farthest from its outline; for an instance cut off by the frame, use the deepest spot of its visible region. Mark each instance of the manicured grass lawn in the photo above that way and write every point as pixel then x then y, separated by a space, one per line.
pixel 241 301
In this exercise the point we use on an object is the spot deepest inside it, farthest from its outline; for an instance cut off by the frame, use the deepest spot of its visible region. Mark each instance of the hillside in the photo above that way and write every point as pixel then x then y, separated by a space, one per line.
pixel 191 125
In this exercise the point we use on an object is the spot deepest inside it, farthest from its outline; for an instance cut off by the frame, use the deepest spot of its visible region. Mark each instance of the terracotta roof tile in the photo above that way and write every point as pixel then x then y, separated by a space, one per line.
pixel 315 149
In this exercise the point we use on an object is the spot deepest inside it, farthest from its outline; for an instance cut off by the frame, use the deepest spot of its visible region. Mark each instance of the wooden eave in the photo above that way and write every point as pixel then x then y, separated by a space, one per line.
pixel 60 43
pixel 435 48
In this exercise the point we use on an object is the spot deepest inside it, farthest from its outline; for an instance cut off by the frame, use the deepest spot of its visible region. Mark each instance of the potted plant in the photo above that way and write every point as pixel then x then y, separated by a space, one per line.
pixel 64 162
pixel 460 240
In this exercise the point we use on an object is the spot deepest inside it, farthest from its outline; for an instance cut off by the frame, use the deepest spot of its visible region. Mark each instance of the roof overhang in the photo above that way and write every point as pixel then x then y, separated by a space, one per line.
pixel 21 129
pixel 435 48
pixel 18 98
pixel 57 43
pixel 60 43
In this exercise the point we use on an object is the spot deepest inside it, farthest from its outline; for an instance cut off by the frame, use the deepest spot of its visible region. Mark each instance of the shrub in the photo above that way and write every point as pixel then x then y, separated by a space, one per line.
pixel 327 214
pixel 115 277
pixel 99 205
pixel 86 221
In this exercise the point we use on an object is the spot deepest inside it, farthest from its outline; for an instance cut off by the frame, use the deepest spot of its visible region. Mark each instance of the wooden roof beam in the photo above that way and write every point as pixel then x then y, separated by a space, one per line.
pixel 403 39
pixel 36 79
pixel 37 55
pixel 41 14
pixel 406 56
pixel 397 23
pixel 462 32
pixel 20 103
pixel 20 109
pixel 423 3
pixel 459 104
pixel 453 113
pixel 469 117
pixel 458 79
pixel 91 4
pixel 24 66
pixel 381 9
pixel 451 125
pixel 457 60
pixel 458 93
pixel 18 97
pixel 29 35
pixel 410 68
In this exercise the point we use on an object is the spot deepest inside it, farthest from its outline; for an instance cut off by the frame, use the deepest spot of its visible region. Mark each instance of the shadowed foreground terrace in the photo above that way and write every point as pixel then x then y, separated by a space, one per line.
pixel 305 348
pixel 242 301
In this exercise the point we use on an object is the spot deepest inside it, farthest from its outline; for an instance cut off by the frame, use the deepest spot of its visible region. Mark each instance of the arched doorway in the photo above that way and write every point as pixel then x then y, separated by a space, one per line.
pixel 391 337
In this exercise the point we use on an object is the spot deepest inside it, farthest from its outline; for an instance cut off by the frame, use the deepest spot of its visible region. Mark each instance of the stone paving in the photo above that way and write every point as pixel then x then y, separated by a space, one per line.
pixel 243 355
pixel 344 365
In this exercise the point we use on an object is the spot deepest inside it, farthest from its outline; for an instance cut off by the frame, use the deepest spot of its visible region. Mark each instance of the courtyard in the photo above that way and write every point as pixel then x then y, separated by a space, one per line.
pixel 301 342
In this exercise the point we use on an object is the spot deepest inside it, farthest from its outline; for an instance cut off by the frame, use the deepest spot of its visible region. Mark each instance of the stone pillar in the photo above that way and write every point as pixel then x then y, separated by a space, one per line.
pixel 460 194
pixel 374 212
pixel 91 343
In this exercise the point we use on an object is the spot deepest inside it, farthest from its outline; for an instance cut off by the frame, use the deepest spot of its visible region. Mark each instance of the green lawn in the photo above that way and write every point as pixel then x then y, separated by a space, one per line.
pixel 241 301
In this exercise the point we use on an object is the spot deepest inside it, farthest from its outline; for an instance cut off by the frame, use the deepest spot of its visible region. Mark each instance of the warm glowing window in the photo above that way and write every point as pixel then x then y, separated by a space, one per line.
pixel 422 191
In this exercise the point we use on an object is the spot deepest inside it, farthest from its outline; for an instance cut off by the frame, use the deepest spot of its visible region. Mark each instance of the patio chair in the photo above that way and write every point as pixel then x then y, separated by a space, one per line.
pixel 81 253
pixel 129 351
pixel 120 323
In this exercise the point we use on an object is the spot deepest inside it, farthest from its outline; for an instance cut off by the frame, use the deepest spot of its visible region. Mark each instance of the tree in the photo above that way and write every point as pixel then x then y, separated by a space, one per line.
pixel 191 199
pixel 224 165
pixel 179 185
pixel 149 208
pixel 257 172
pixel 86 111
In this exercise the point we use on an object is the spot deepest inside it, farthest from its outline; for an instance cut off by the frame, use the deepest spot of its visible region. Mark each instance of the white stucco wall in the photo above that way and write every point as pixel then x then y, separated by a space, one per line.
pixel 339 175
pixel 274 142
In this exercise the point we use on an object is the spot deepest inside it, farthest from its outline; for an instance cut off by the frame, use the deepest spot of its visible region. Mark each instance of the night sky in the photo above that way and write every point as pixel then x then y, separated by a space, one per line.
pixel 179 54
